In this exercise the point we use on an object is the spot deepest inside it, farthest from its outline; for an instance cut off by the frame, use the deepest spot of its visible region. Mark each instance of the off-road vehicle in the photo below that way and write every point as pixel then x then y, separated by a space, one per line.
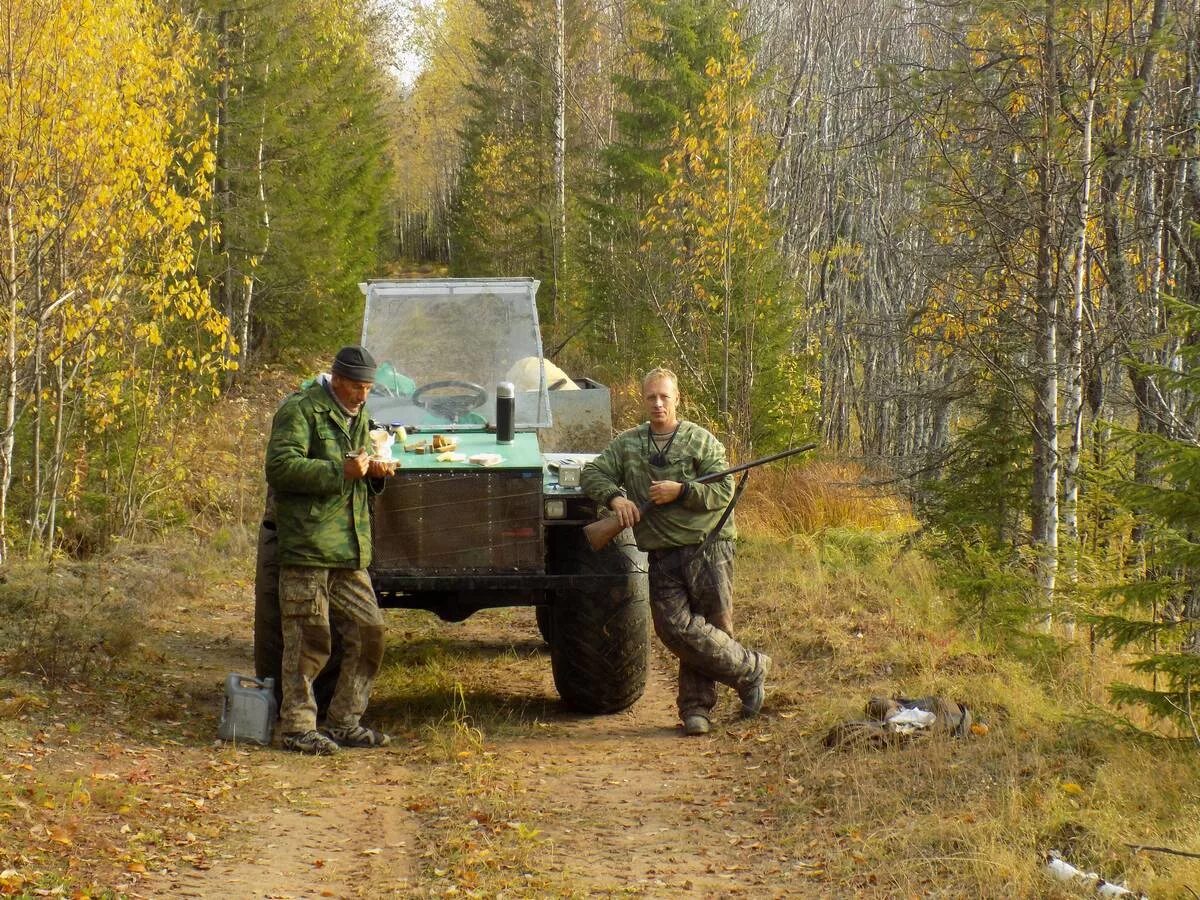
pixel 489 524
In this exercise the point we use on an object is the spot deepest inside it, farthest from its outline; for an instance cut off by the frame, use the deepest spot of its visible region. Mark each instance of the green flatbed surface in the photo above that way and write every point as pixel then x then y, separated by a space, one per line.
pixel 522 453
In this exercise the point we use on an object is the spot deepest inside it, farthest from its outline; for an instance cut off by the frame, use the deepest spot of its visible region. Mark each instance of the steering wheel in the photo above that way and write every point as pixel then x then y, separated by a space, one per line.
pixel 451 406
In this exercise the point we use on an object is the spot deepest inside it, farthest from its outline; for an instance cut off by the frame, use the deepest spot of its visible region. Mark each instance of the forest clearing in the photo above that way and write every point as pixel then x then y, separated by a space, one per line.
pixel 113 783
pixel 954 244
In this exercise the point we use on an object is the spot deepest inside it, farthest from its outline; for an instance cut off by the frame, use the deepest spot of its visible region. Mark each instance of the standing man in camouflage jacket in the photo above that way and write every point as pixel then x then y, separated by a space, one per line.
pixel 317 465
pixel 691 569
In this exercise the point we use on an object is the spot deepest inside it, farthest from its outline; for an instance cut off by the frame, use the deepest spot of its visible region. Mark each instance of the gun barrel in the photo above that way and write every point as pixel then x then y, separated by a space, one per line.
pixel 601 532
pixel 741 467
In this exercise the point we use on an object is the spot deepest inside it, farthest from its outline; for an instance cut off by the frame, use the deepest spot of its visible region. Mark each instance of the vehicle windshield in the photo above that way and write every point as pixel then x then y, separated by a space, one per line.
pixel 443 345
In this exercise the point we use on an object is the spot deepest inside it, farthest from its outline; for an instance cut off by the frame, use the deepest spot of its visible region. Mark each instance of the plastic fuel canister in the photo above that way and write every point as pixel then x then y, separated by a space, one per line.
pixel 249 709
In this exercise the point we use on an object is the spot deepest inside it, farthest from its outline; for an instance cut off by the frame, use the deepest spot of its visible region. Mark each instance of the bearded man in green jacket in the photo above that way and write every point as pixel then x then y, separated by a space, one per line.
pixel 688 539
pixel 319 469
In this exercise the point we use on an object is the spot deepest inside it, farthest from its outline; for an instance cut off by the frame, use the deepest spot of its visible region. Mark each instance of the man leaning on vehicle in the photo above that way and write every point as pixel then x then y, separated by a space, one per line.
pixel 318 466
pixel 688 538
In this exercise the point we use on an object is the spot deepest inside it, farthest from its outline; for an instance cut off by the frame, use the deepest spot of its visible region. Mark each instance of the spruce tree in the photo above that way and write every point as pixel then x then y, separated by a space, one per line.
pixel 502 213
pixel 1157 609
pixel 300 191
pixel 663 81
pixel 979 510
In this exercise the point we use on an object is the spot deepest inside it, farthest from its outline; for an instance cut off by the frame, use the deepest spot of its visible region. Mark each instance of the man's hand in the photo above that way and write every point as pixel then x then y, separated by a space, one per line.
pixel 355 467
pixel 662 492
pixel 377 468
pixel 627 511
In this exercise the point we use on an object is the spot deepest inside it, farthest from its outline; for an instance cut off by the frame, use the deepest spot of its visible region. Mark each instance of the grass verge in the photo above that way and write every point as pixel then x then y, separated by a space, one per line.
pixel 851 613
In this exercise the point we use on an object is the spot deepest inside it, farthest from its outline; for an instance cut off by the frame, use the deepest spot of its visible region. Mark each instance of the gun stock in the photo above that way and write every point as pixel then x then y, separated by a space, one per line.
pixel 600 533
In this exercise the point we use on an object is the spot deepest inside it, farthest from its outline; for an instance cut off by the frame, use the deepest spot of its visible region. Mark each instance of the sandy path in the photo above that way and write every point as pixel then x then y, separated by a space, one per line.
pixel 620 804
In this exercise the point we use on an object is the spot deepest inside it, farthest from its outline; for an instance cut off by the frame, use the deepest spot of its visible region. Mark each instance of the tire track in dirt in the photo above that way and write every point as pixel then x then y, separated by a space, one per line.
pixel 302 826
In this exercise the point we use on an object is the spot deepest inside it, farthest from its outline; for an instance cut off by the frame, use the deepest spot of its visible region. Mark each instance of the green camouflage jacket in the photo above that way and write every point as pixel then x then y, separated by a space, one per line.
pixel 624 467
pixel 323 519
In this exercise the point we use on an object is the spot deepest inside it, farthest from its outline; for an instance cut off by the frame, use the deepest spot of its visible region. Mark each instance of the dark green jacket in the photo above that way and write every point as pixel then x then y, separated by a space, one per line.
pixel 323 519
pixel 624 468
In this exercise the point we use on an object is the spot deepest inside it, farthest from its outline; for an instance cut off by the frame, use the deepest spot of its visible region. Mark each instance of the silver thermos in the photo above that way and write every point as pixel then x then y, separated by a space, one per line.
pixel 506 404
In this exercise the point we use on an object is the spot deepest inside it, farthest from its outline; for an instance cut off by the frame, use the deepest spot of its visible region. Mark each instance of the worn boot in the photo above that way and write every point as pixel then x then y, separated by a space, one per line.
pixel 358 736
pixel 695 725
pixel 311 742
pixel 755 692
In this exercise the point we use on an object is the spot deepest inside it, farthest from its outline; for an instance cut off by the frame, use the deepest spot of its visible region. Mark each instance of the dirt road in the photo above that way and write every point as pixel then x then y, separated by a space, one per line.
pixel 482 802
pixel 112 783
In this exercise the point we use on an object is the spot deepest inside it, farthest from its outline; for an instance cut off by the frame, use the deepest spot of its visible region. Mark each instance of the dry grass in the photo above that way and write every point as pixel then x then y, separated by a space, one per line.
pixel 806 497
pixel 479 834
pixel 216 461
pixel 105 772
pixel 850 614
pixel 455 699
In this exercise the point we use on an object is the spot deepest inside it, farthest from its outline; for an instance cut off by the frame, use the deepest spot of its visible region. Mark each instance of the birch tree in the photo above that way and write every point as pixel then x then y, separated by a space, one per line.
pixel 106 326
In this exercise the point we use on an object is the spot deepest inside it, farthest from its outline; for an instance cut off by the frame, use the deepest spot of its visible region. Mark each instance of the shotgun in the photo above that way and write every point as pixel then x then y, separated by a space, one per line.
pixel 602 531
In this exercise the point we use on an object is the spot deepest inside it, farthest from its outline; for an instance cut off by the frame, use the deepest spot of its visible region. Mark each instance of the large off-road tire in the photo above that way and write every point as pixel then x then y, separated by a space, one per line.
pixel 599 632
pixel 542 613
pixel 268 626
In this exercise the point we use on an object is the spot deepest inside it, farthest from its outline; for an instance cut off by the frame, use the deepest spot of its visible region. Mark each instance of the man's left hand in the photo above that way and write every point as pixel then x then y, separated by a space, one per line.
pixel 377 468
pixel 662 492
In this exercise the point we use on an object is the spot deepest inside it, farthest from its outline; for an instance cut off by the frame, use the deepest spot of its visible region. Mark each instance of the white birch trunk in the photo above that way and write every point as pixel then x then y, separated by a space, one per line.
pixel 1045 412
pixel 726 258
pixel 8 434
pixel 35 501
pixel 1075 362
pixel 248 298
pixel 560 154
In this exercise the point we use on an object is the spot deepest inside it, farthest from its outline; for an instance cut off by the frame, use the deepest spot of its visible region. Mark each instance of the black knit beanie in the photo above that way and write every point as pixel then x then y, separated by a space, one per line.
pixel 354 363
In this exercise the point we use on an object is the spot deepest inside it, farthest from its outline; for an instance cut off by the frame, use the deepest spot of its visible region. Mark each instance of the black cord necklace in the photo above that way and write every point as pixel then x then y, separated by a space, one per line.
pixel 658 458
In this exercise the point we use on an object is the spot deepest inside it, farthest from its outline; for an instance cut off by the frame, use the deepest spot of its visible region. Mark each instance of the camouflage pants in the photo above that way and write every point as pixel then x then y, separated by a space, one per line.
pixel 309 597
pixel 691 599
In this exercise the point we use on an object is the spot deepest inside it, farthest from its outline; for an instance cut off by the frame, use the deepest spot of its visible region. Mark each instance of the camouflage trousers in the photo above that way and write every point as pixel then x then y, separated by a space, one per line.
pixel 691 600
pixel 309 598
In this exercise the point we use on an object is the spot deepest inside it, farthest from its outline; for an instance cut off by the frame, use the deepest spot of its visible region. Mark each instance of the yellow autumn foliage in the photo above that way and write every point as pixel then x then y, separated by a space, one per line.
pixel 106 177
pixel 728 318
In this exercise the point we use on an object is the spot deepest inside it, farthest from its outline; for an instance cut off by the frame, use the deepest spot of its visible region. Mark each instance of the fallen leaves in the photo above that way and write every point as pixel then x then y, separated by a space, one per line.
pixel 11 881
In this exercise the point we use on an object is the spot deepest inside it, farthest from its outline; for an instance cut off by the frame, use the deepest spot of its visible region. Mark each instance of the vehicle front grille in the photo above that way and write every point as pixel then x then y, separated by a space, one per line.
pixel 459 522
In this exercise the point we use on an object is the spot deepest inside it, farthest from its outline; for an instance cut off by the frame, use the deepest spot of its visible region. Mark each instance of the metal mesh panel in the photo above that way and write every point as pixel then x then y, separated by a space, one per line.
pixel 440 523
pixel 475 330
